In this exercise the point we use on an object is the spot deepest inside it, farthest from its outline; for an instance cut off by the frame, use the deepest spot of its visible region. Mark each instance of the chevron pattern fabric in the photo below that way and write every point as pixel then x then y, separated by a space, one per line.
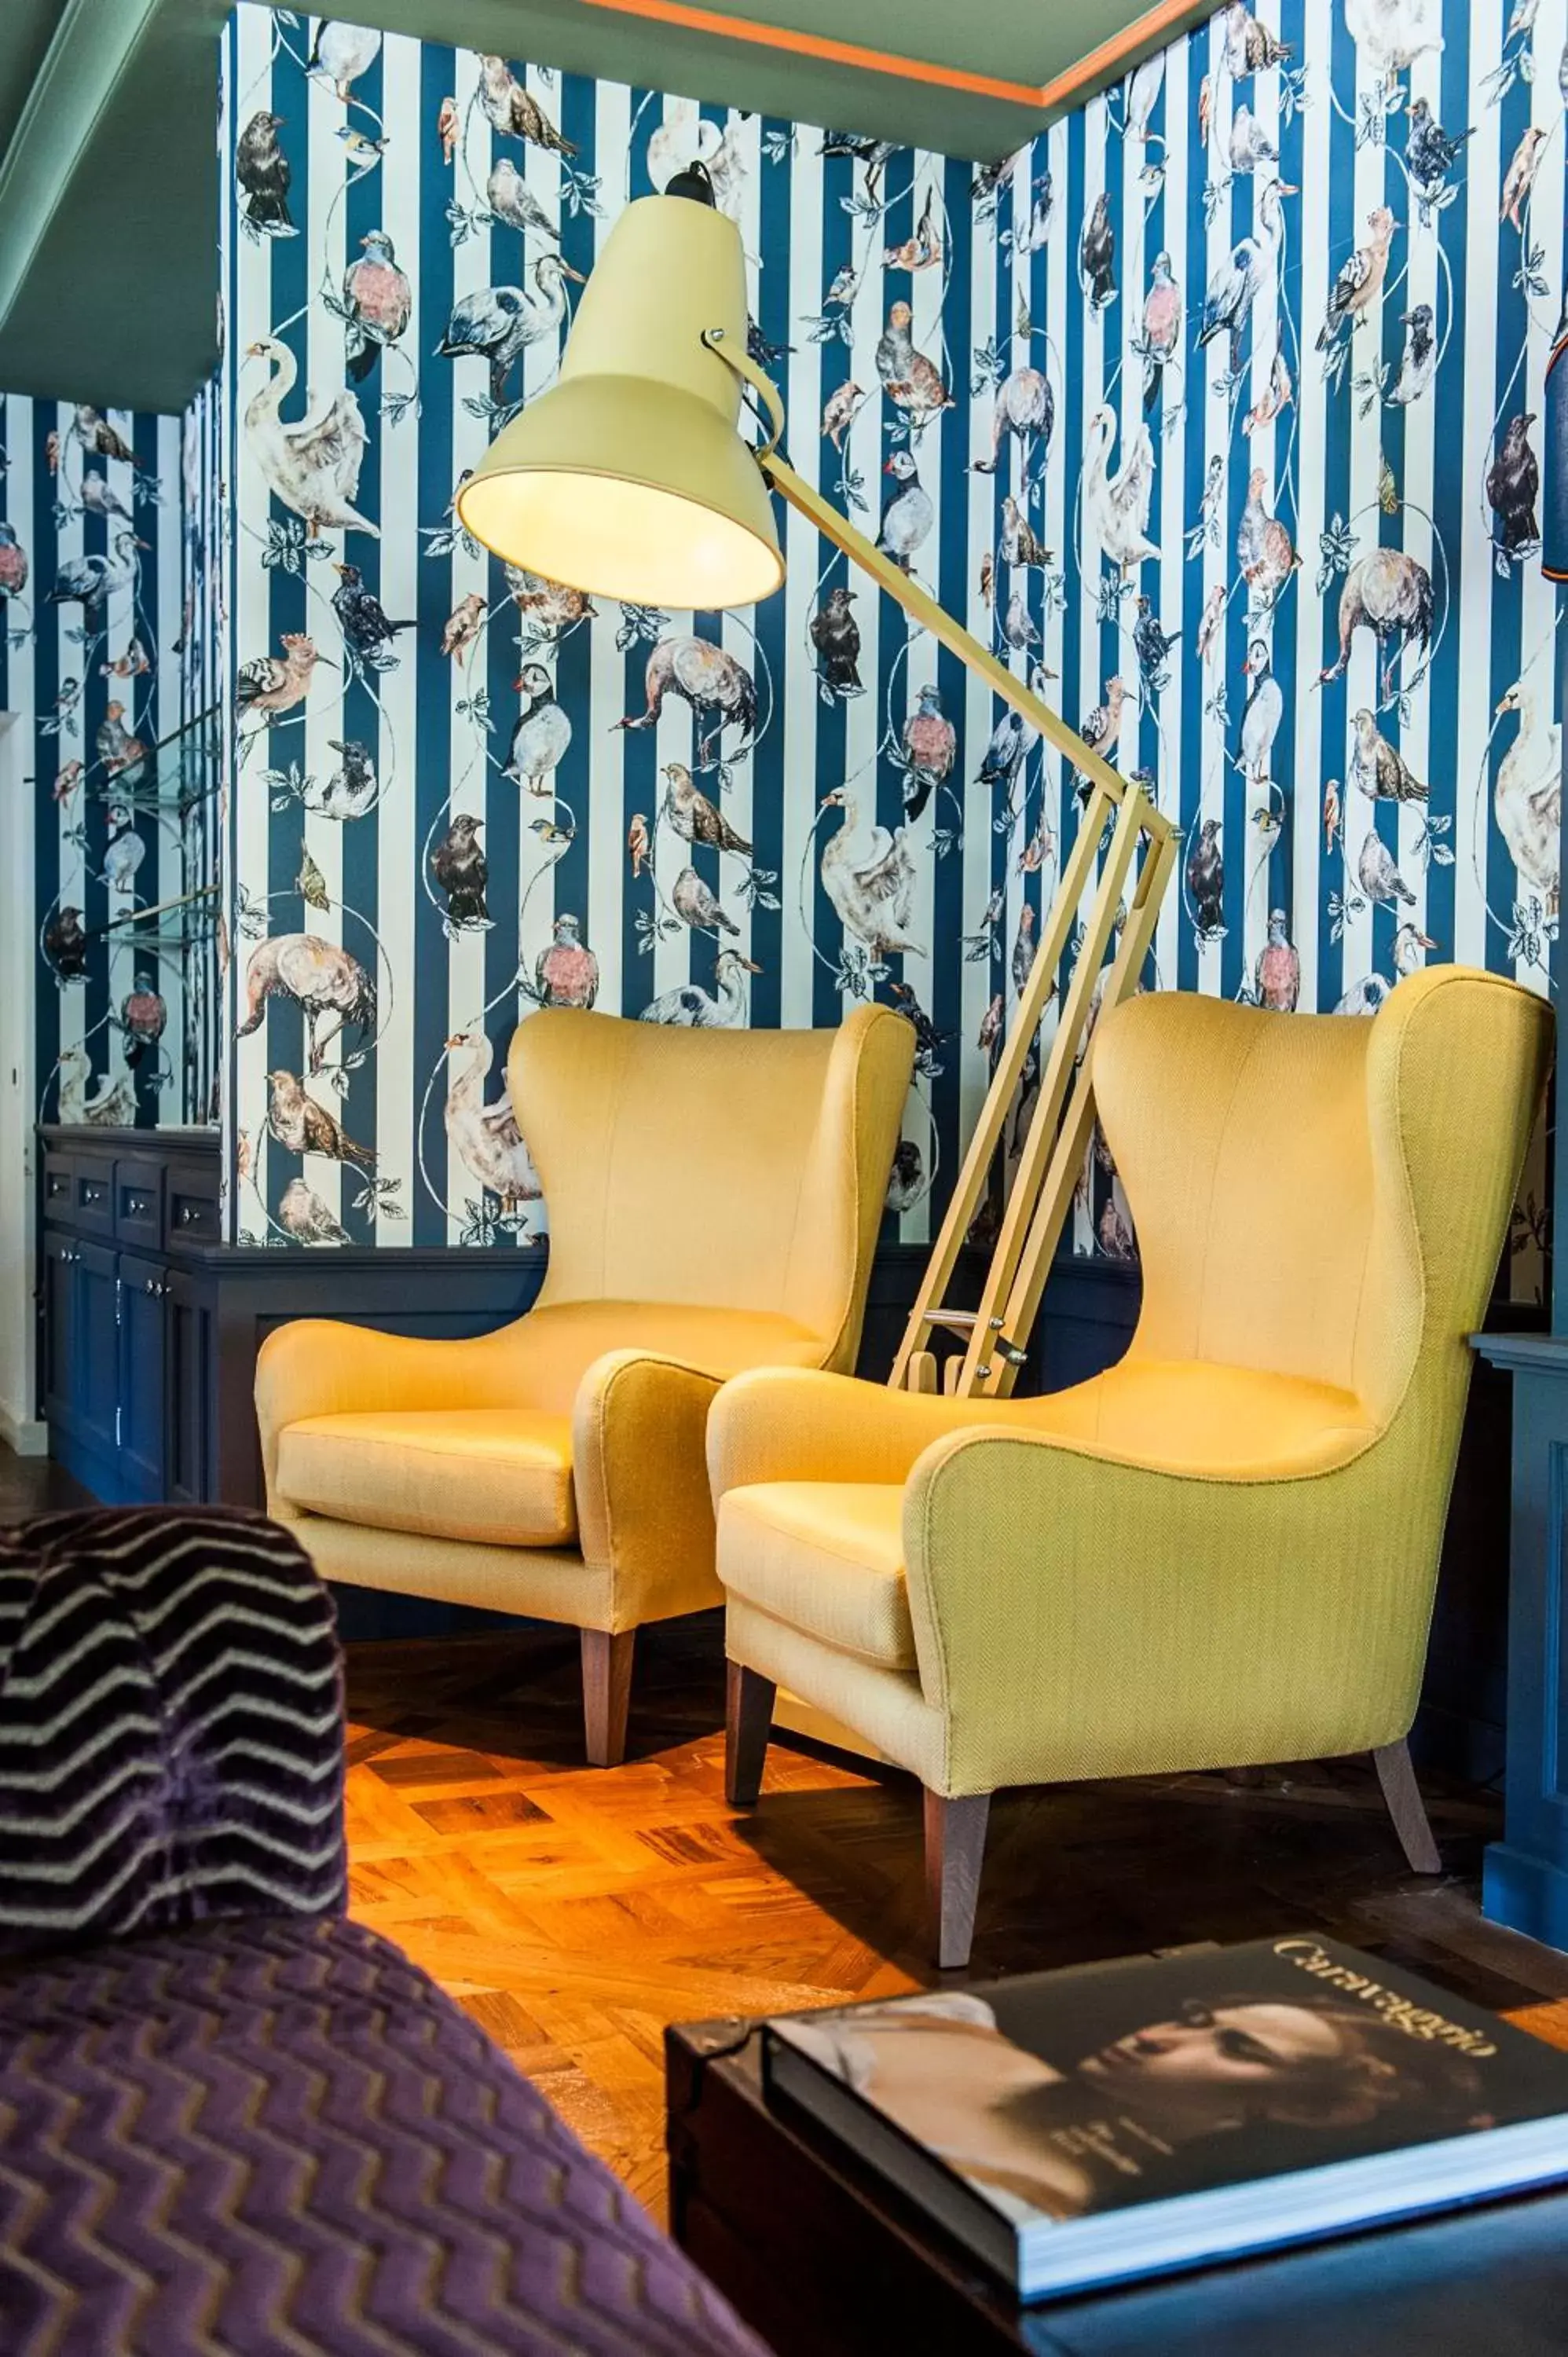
pixel 269 2137
pixel 170 1727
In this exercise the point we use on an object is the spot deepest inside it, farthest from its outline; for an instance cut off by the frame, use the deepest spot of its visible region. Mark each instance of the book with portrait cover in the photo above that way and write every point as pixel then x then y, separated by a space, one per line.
pixel 1111 2121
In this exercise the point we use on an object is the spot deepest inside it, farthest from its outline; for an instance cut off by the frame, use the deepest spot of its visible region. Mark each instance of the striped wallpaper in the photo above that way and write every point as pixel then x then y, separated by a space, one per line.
pixel 1224 377
pixel 91 682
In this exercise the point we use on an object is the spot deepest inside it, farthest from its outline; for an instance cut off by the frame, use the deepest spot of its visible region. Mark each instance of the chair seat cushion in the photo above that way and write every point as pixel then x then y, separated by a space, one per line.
pixel 825 1557
pixel 501 1475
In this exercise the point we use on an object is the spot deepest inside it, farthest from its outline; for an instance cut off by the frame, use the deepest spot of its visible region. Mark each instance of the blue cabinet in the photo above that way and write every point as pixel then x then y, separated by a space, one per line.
pixel 143 1377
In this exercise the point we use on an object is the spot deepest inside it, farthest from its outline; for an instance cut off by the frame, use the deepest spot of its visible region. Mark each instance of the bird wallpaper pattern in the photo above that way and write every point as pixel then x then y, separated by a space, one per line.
pixel 109 646
pixel 1216 411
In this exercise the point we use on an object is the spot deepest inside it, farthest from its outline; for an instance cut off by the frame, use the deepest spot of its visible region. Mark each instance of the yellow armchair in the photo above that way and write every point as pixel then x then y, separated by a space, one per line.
pixel 714 1199
pixel 1223 1551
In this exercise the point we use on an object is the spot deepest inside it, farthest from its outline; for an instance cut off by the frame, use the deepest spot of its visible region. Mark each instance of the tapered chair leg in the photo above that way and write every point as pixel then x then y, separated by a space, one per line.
pixel 1407 1808
pixel 748 1720
pixel 955 1845
pixel 606 1693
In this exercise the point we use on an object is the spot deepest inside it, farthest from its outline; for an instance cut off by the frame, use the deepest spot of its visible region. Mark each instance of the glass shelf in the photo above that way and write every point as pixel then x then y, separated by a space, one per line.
pixel 176 774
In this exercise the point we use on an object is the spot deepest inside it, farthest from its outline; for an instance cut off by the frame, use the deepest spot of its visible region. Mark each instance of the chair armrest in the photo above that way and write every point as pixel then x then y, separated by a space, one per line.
pixel 791 1424
pixel 322 1366
pixel 1077 1616
pixel 643 1509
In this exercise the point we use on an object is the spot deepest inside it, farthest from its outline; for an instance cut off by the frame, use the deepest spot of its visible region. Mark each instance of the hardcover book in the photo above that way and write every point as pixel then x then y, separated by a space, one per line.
pixel 1111 2121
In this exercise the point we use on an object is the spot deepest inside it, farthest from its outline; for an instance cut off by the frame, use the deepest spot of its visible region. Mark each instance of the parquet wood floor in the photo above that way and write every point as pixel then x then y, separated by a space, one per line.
pixel 575 1912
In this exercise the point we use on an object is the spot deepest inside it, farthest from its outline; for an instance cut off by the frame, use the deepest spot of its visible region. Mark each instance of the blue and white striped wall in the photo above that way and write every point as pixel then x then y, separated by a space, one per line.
pixel 994 271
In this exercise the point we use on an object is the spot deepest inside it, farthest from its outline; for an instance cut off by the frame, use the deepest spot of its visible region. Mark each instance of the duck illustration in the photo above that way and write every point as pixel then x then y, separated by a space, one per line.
pixel 510 110
pixel 1388 593
pixel 542 734
pixel 566 974
pixel 90 581
pixel 313 466
pixel 1234 283
pixel 698 907
pixel 112 1106
pixel 342 53
pixel 835 634
pixel 1205 882
pixel 1163 316
pixel 1261 715
pixel 1025 408
pixel 1513 485
pixel 1116 507
pixel 693 817
pixel 1418 362
pixel 869 877
pixel 499 323
pixel 511 201
pixel 461 870
pixel 303 1127
pixel 1264 549
pixel 486 1137
pixel 1395 32
pixel 308 1218
pixel 1276 977
pixel 262 174
pixel 909 515
pixel 691 1008
pixel 275 683
pixel 1018 627
pixel 706 677
pixel 1379 768
pixel 912 381
pixel 930 749
pixel 1360 279
pixel 1528 796
pixel 1380 879
pixel 320 977
pixel 839 413
pixel 143 1017
pixel 1097 255
pixel 377 303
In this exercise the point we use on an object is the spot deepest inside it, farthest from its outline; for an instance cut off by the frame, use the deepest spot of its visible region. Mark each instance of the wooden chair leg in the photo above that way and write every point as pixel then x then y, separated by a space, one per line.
pixel 955 1845
pixel 606 1693
pixel 748 1720
pixel 1407 1808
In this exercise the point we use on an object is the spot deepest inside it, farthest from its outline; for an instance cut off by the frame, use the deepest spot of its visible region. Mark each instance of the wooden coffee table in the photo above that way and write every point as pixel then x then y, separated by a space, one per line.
pixel 824 2260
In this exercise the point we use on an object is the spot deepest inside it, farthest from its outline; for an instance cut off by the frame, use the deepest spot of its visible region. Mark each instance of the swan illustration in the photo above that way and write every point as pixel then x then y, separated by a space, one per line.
pixel 489 1144
pixel 313 466
pixel 1116 507
pixel 1528 796
pixel 869 877
pixel 114 1103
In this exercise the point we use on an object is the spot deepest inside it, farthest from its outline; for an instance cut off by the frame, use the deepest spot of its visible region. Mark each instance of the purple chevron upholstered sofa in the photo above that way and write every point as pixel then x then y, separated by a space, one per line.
pixel 231 2121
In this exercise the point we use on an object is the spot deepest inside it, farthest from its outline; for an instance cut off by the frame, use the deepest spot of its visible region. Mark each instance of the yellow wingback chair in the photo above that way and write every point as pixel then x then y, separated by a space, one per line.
pixel 1223 1551
pixel 714 1201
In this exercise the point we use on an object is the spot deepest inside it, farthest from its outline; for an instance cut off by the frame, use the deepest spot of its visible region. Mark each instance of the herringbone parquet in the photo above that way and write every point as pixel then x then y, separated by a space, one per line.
pixel 575 1912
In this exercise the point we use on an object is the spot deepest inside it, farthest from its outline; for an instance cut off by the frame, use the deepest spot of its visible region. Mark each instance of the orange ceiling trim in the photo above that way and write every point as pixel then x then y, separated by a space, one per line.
pixel 1144 33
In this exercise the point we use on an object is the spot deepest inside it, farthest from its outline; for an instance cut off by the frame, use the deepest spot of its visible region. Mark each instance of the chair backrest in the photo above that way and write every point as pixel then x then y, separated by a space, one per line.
pixel 733 1169
pixel 1322 1195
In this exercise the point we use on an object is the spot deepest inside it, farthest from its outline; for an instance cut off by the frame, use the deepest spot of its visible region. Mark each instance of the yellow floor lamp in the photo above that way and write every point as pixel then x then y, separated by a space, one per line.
pixel 630 478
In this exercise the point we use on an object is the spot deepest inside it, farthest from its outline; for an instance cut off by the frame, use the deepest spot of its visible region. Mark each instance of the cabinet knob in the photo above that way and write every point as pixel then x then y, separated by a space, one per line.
pixel 151 1286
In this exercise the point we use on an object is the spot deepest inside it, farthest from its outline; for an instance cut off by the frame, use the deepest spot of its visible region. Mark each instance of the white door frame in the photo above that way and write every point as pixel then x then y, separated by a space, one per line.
pixel 19 1423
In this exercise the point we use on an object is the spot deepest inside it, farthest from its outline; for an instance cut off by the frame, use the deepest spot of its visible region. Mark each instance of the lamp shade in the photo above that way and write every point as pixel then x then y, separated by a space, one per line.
pixel 630 475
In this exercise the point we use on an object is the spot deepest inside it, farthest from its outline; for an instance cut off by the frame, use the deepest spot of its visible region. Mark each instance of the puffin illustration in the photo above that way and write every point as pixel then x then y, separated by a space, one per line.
pixel 912 381
pixel 1379 770
pixel 302 1126
pixel 143 1016
pixel 1097 255
pixel 542 734
pixel 1205 882
pixel 309 1221
pixel 694 818
pixel 1276 977
pixel 123 854
pixel 1163 317
pixel 366 626
pixel 696 906
pixel 1418 362
pixel 566 974
pixel 1380 879
pixel 1513 485
pixel 377 303
pixel 261 170
pixel 509 109
pixel 706 677
pixel 342 53
pixel 1263 713
pixel 462 871
pixel 1360 279
pixel 908 518
pixel 1025 408
pixel 930 749
pixel 835 634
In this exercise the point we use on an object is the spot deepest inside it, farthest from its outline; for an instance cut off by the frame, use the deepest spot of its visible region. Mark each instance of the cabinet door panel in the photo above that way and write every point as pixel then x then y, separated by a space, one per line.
pixel 59 1327
pixel 143 1310
pixel 95 1352
pixel 187 1478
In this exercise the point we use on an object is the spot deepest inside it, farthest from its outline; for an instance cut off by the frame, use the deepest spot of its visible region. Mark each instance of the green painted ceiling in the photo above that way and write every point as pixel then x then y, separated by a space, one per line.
pixel 108 176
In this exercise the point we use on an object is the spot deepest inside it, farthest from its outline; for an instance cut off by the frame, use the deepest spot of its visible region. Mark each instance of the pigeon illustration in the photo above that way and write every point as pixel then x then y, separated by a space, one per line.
pixel 1250 144
pixel 697 907
pixel 835 634
pixel 143 1016
pixel 1381 879
pixel 566 974
pixel 377 303
pixel 367 629
pixel 1276 977
pixel 309 1221
pixel 13 561
pixel 461 868
pixel 99 499
pixel 930 749
pixel 1205 882
pixel 511 201
pixel 1163 317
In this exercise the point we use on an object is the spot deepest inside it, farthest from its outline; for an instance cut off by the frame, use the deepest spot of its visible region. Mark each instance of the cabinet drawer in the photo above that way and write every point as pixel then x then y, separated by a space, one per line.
pixel 60 1179
pixel 139 1203
pixel 190 1214
pixel 92 1197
